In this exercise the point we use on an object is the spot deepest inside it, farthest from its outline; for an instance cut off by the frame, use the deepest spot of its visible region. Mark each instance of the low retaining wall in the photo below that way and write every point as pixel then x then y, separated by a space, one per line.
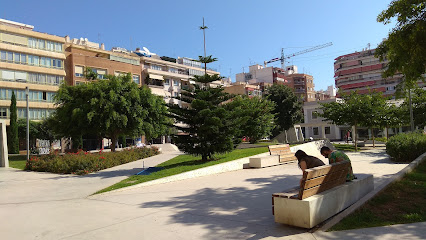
pixel 370 195
pixel 313 148
pixel 218 168
pixel 311 211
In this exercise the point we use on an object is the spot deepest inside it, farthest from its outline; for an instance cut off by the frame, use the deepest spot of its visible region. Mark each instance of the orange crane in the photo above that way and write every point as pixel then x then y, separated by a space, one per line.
pixel 282 58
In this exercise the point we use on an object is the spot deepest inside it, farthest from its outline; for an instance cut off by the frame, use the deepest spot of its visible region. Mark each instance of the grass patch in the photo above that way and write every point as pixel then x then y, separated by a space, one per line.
pixel 17 161
pixel 347 147
pixel 184 163
pixel 401 202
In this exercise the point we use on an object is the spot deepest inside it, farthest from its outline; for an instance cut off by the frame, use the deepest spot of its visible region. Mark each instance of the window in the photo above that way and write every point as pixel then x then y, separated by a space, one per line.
pixel 9 56
pixel 17 58
pixel 173 70
pixel 3 112
pixel 315 129
pixel 327 130
pixel 175 83
pixel 78 71
pixel 3 55
pixel 23 58
pixel 314 114
pixel 167 82
pixel 101 73
pixel 156 67
pixel 44 96
pixel 136 79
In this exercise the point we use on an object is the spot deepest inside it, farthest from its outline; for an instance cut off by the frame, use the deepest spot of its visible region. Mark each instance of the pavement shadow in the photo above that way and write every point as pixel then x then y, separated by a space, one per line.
pixel 233 213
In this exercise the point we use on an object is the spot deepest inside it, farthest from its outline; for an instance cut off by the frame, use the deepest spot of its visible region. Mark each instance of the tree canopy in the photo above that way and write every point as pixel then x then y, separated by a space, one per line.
pixel 288 108
pixel 108 108
pixel 353 110
pixel 255 116
pixel 405 47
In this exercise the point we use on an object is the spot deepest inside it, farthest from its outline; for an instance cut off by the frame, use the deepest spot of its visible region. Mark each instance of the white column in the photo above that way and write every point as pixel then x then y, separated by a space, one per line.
pixel 322 133
pixel 4 159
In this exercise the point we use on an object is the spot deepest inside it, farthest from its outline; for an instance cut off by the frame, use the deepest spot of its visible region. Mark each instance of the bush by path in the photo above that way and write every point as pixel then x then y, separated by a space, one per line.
pixel 405 147
pixel 83 162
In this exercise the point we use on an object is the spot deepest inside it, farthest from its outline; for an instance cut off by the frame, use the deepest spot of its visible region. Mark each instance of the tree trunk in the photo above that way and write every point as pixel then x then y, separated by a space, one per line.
pixel 114 141
pixel 387 133
pixel 355 138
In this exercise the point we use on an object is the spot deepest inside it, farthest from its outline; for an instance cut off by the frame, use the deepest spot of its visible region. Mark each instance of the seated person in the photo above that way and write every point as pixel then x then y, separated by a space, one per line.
pixel 306 161
pixel 338 156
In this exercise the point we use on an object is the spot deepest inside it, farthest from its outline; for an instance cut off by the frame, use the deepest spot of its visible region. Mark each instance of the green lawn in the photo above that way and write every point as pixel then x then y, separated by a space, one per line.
pixel 401 202
pixel 346 147
pixel 185 163
pixel 17 161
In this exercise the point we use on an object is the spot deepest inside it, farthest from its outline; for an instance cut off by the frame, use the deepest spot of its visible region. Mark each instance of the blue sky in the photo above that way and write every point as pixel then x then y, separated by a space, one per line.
pixel 241 33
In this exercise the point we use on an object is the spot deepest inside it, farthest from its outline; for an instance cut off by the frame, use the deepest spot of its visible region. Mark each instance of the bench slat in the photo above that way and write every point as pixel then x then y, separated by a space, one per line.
pixel 288 158
pixel 325 179
pixel 324 170
pixel 321 188
pixel 278 146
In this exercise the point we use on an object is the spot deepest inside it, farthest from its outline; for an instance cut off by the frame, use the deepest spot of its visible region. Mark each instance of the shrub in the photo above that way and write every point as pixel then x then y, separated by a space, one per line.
pixel 84 162
pixel 381 139
pixel 406 147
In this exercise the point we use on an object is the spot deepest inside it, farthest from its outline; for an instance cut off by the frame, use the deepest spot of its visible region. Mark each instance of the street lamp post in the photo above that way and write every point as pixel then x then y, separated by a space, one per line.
pixel 27 90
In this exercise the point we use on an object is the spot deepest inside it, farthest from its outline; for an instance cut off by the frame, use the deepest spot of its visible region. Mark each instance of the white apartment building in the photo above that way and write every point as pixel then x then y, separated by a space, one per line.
pixel 29 59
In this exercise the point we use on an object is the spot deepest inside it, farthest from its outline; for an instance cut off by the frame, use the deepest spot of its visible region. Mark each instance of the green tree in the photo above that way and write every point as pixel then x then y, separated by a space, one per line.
pixel 107 108
pixel 352 111
pixel 405 47
pixel 13 140
pixel 254 116
pixel 288 108
pixel 206 126
pixel 375 108
pixel 419 107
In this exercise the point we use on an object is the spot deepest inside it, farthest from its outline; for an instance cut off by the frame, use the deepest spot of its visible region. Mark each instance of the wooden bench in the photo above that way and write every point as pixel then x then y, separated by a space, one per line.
pixel 283 151
pixel 318 179
pixel 278 154
pixel 323 192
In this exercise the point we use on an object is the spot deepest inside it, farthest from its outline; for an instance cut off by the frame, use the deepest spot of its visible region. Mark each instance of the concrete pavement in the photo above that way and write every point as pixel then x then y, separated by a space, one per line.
pixel 231 205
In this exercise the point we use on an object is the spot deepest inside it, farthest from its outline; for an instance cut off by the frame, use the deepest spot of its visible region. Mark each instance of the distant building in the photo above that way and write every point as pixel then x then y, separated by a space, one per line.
pixel 301 83
pixel 362 71
pixel 241 88
pixel 82 54
pixel 29 59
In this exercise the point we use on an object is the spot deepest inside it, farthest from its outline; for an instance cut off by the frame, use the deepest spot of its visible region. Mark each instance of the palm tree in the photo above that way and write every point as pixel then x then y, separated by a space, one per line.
pixel 205 60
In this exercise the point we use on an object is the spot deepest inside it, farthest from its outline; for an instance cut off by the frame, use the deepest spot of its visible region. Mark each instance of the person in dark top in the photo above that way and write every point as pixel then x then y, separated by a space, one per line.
pixel 306 161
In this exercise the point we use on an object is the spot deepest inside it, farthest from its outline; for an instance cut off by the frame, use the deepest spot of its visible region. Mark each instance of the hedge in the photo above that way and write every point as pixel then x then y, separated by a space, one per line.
pixel 84 162
pixel 406 147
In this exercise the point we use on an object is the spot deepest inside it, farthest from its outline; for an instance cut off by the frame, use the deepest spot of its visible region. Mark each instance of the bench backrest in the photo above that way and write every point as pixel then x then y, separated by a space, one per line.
pixel 322 178
pixel 283 150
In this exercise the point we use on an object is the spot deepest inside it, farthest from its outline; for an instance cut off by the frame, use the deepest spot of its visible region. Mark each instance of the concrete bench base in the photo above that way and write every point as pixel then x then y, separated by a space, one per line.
pixel 266 161
pixel 313 210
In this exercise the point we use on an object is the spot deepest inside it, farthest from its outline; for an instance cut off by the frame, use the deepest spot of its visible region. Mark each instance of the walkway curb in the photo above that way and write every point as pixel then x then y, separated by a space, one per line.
pixel 337 218
pixel 215 169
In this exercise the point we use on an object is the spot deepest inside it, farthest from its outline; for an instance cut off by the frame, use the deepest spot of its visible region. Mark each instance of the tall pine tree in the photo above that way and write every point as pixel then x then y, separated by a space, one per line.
pixel 12 136
pixel 206 126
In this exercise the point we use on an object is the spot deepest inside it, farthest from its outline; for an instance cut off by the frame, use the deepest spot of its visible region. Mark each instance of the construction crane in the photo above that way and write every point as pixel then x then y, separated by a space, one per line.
pixel 282 58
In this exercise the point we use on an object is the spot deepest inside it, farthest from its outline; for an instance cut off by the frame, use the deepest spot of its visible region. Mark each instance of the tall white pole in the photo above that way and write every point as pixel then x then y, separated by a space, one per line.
pixel 27 90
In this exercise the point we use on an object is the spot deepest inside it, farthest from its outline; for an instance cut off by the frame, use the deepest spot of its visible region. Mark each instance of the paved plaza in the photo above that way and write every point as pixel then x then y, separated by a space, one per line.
pixel 231 205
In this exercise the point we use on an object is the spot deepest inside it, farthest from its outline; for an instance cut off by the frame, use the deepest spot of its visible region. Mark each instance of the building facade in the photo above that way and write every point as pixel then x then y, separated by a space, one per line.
pixel 362 72
pixel 302 84
pixel 29 59
pixel 168 77
pixel 82 54
pixel 241 88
